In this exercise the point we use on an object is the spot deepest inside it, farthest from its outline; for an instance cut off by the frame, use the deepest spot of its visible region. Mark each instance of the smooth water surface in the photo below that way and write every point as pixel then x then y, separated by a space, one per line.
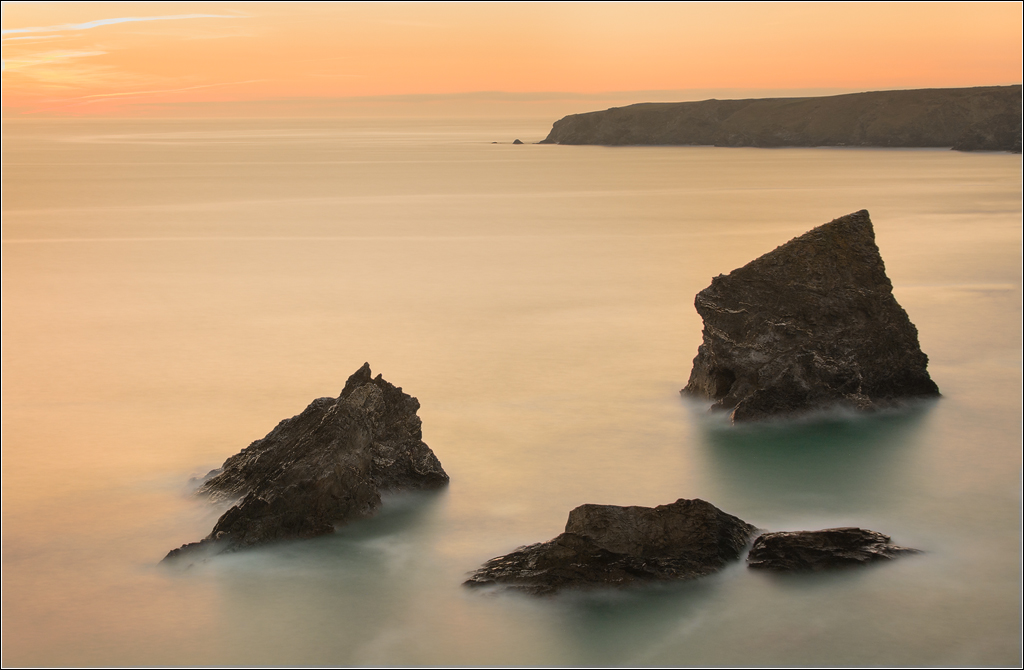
pixel 173 289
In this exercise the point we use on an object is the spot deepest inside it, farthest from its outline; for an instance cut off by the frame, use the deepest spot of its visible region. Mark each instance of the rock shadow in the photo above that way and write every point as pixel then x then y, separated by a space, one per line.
pixel 609 627
pixel 835 461
pixel 325 599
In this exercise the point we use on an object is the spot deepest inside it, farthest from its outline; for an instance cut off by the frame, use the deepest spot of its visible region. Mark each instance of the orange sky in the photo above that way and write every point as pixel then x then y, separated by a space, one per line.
pixel 86 59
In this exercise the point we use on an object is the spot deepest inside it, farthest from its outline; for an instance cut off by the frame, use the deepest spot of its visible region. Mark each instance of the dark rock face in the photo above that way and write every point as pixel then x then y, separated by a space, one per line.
pixel 822 549
pixel 326 466
pixel 517 142
pixel 968 119
pixel 810 325
pixel 607 545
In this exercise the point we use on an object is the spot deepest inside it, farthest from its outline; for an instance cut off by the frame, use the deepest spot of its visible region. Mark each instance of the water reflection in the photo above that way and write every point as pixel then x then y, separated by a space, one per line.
pixel 323 599
pixel 532 302
pixel 832 462
pixel 612 627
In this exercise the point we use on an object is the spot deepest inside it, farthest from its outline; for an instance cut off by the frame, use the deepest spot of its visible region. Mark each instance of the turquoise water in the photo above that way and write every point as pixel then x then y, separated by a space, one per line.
pixel 172 289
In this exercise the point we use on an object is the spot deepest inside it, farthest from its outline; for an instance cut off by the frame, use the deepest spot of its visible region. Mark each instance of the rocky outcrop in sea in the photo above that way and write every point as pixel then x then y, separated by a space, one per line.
pixel 985 118
pixel 608 545
pixel 811 325
pixel 324 467
pixel 814 550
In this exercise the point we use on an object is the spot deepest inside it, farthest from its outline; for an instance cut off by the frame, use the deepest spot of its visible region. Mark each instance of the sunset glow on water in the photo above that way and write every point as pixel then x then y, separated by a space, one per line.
pixel 172 290
pixel 190 257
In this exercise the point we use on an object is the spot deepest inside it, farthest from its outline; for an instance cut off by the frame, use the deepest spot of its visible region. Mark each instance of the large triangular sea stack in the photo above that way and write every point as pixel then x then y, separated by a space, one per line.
pixel 810 325
pixel 324 467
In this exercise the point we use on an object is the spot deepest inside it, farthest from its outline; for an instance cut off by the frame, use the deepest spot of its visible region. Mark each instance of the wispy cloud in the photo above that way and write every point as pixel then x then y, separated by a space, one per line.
pixel 167 90
pixel 99 97
pixel 45 58
pixel 107 22
pixel 32 37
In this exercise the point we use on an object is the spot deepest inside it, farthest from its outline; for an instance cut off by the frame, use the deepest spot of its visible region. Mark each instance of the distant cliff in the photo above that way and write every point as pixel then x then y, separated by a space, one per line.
pixel 967 119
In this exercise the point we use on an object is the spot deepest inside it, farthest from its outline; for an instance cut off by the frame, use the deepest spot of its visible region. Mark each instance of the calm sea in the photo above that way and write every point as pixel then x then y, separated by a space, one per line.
pixel 173 289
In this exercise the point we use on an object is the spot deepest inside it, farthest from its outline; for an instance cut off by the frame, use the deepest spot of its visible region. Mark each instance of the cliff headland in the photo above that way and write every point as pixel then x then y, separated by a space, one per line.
pixel 966 119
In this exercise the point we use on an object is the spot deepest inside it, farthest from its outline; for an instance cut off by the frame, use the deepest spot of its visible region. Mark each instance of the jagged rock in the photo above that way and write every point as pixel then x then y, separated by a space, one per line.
pixel 810 325
pixel 325 466
pixel 822 549
pixel 607 545
pixel 985 118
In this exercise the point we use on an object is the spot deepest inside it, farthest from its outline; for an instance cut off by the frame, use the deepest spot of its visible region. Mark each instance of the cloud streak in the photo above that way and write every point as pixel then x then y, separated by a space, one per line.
pixel 33 37
pixel 45 58
pixel 107 22
pixel 99 97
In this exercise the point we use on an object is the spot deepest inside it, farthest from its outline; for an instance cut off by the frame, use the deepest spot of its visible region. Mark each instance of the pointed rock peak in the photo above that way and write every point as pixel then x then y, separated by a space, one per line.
pixel 847 230
pixel 324 467
pixel 809 325
pixel 358 378
pixel 837 255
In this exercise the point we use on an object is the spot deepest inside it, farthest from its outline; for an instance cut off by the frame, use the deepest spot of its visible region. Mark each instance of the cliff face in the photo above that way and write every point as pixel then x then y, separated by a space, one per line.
pixel 809 325
pixel 966 119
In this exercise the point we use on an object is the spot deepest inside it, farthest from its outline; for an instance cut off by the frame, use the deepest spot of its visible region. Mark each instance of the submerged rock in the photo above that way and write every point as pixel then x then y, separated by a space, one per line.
pixel 809 325
pixel 822 549
pixel 325 466
pixel 608 545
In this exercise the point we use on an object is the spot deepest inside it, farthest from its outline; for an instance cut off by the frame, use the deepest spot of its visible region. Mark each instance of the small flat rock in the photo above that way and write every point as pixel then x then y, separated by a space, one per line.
pixel 608 545
pixel 808 550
